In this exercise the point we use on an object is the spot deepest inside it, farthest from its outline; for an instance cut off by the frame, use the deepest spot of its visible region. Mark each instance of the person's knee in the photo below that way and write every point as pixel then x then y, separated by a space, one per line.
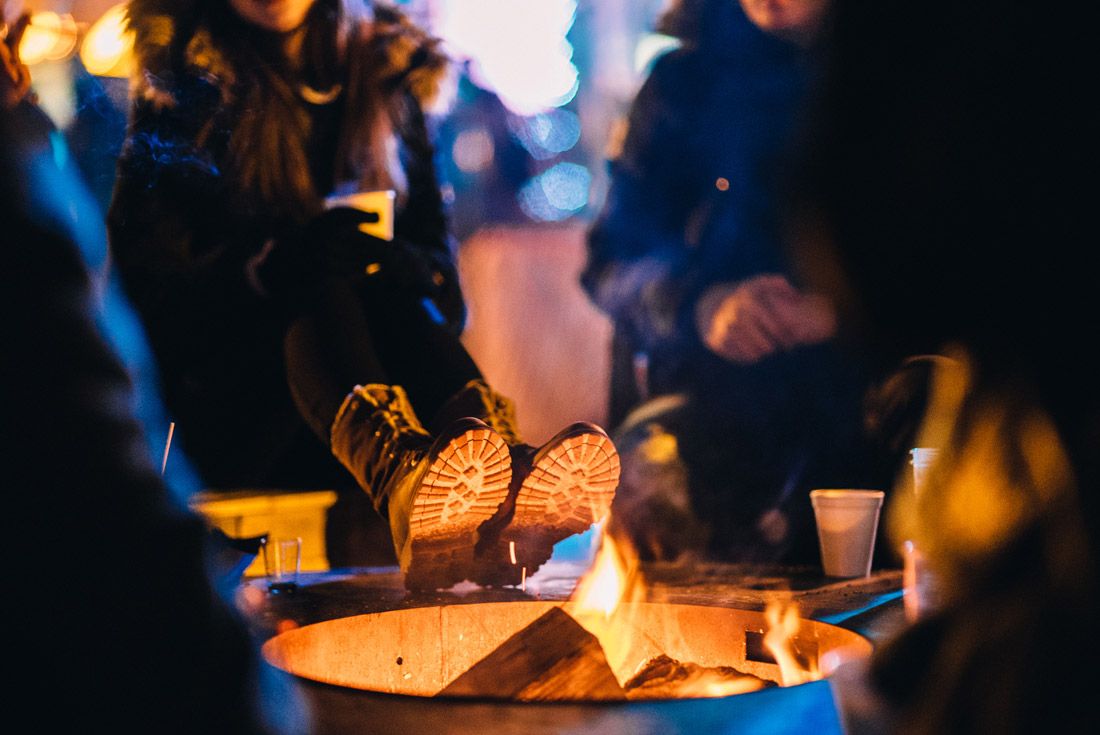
pixel 316 393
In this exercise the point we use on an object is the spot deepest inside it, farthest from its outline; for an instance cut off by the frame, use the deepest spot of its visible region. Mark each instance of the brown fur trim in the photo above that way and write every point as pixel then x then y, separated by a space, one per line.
pixel 205 58
pixel 155 25
pixel 401 55
pixel 434 84
pixel 405 56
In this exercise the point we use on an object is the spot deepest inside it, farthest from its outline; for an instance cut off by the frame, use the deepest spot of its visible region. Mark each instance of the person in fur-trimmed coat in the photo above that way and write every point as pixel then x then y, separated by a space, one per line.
pixel 277 320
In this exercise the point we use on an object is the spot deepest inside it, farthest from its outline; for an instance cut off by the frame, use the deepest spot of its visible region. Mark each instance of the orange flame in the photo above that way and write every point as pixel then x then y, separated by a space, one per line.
pixel 597 603
pixel 612 578
pixel 783 624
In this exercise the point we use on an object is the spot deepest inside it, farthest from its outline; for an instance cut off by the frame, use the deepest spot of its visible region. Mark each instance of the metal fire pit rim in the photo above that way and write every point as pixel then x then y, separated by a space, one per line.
pixel 369 693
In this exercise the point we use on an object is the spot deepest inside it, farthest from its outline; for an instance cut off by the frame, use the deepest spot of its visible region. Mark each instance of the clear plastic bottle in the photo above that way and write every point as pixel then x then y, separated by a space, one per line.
pixel 918 582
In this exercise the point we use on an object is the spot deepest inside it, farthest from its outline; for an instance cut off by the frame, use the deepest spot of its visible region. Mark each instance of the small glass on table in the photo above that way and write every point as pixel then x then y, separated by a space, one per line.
pixel 282 562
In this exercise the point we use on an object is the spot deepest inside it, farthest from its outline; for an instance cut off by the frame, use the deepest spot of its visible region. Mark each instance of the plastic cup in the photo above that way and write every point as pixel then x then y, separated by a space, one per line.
pixel 847 522
pixel 283 562
pixel 922 459
pixel 919 585
pixel 380 203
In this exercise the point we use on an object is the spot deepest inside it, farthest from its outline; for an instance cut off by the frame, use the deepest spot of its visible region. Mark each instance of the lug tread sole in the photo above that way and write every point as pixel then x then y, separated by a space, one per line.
pixel 463 487
pixel 569 488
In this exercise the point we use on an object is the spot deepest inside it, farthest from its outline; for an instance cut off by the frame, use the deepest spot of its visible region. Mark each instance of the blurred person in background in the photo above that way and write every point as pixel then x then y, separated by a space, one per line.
pixel 945 206
pixel 122 618
pixel 278 321
pixel 730 394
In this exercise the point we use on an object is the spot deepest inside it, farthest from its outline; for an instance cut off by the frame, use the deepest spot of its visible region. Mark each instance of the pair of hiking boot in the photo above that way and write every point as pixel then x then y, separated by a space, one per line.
pixel 464 497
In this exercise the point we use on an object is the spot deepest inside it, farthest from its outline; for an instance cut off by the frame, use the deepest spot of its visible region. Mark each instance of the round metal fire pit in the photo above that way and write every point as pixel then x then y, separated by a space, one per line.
pixel 380 672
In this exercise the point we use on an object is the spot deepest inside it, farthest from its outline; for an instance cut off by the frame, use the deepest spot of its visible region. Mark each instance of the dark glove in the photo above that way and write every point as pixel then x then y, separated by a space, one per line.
pixel 403 266
pixel 398 265
pixel 293 267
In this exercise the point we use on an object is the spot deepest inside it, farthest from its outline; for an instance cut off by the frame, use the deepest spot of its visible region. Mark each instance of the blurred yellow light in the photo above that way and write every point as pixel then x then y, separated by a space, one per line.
pixel 107 48
pixel 67 35
pixel 39 38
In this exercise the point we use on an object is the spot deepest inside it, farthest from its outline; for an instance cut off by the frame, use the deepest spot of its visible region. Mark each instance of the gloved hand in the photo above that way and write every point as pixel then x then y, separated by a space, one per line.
pixel 292 266
pixel 428 277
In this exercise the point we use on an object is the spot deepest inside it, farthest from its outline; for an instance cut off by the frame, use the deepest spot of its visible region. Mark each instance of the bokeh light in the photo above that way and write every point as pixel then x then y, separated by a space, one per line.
pixel 107 47
pixel 516 48
pixel 473 150
pixel 547 134
pixel 49 37
pixel 557 193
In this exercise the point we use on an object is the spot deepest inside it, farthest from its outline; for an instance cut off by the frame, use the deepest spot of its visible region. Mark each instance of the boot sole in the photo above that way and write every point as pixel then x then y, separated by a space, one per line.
pixel 571 485
pixel 464 485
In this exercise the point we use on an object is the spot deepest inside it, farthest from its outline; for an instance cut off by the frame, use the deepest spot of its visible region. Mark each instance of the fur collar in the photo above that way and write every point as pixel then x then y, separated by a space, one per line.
pixel 171 36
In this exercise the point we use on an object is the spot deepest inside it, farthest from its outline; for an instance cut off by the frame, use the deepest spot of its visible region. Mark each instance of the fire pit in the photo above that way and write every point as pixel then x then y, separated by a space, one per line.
pixel 402 660
pixel 602 648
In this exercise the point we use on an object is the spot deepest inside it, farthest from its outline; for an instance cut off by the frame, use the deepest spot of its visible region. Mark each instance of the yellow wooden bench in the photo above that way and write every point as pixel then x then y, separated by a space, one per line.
pixel 278 513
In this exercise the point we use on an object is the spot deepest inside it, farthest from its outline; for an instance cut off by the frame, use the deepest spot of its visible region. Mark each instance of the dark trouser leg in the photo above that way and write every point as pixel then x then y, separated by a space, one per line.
pixel 371 336
pixel 434 491
pixel 315 386
pixel 323 364
pixel 419 353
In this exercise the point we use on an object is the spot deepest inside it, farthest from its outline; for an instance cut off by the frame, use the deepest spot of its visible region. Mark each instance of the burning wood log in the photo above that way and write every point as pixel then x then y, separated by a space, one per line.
pixel 663 677
pixel 553 658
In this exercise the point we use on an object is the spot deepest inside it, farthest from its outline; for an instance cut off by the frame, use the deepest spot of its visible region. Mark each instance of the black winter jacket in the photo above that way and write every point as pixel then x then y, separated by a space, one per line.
pixel 694 200
pixel 694 191
pixel 183 231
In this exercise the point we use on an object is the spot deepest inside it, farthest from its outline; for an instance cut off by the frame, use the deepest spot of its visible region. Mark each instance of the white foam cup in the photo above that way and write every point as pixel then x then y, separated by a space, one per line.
pixel 847 522
pixel 380 203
